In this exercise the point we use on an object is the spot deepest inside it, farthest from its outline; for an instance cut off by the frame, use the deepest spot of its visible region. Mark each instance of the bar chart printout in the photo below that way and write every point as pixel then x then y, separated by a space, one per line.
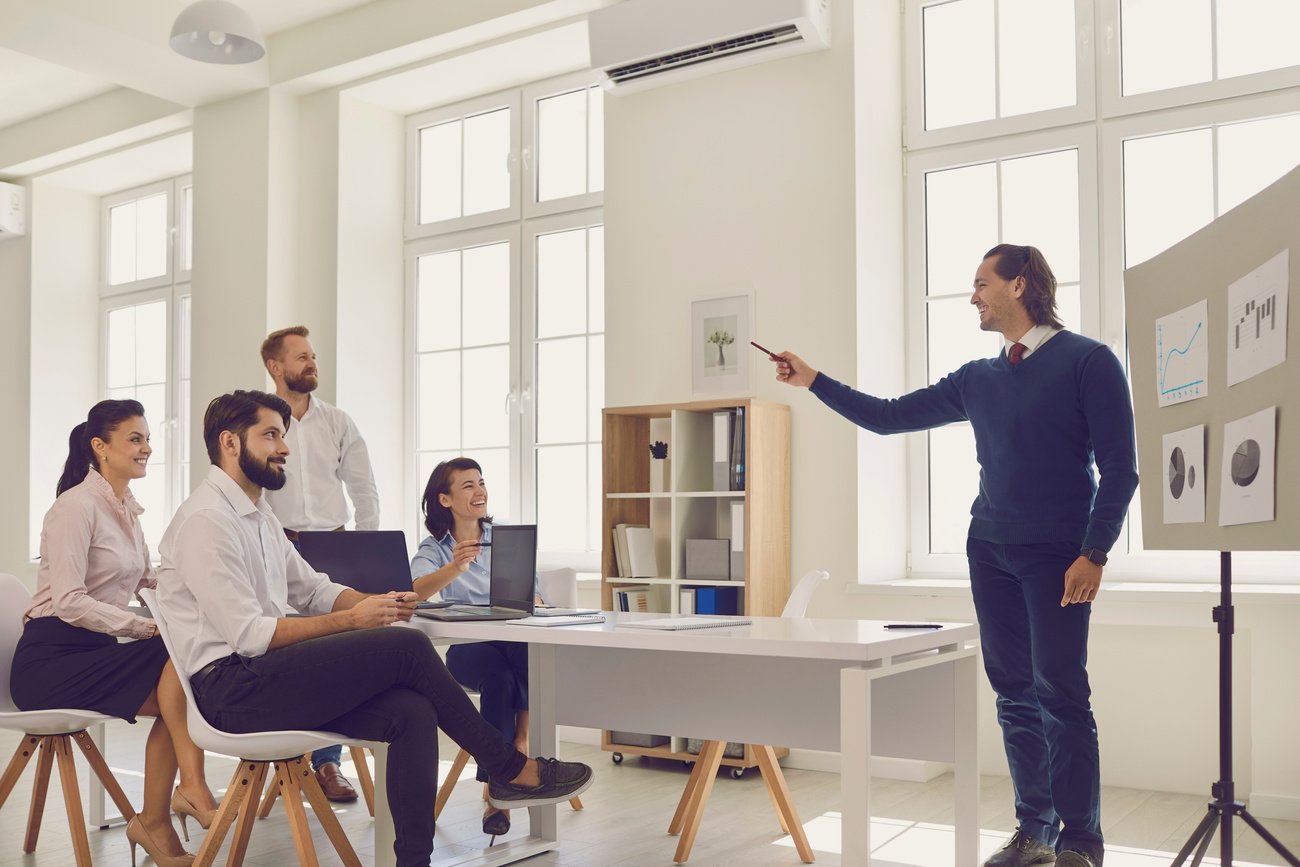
pixel 1182 357
pixel 1257 309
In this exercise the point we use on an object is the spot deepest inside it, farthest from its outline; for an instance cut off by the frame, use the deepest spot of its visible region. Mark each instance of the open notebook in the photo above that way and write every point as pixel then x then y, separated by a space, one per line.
pixel 674 623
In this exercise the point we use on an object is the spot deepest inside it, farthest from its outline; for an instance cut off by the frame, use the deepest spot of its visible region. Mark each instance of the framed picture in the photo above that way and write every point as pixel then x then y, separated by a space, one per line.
pixel 721 357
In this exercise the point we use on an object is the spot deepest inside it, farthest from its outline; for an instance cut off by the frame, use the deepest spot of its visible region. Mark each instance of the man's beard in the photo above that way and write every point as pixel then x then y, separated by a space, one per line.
pixel 302 384
pixel 263 474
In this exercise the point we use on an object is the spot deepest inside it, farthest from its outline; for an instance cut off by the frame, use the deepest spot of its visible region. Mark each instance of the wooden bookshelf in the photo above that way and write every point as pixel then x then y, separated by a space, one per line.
pixel 691 509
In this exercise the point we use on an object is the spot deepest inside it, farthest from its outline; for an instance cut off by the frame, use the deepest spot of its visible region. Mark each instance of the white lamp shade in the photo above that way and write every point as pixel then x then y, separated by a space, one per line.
pixel 216 31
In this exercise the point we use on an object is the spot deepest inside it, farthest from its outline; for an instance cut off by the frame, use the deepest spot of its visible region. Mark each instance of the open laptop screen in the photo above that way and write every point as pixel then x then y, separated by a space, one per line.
pixel 514 565
pixel 372 561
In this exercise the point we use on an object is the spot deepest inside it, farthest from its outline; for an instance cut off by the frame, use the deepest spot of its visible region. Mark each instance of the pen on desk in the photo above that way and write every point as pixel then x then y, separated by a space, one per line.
pixel 914 626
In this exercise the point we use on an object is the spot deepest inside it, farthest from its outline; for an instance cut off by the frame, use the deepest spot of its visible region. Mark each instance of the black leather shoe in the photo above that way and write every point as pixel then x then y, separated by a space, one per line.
pixel 1075 858
pixel 497 823
pixel 1022 850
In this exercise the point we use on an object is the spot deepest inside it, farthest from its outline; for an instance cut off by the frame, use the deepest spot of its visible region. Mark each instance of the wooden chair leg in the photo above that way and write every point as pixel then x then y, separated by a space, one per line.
pixel 699 798
pixel 237 794
pixel 95 759
pixel 679 817
pixel 26 749
pixel 771 789
pixel 457 765
pixel 39 787
pixel 320 805
pixel 268 797
pixel 780 792
pixel 292 797
pixel 72 799
pixel 247 816
pixel 363 778
pixel 575 803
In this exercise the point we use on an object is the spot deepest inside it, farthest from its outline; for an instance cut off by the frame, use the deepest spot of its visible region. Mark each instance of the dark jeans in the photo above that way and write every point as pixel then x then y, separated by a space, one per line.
pixel 498 672
pixel 1035 655
pixel 383 684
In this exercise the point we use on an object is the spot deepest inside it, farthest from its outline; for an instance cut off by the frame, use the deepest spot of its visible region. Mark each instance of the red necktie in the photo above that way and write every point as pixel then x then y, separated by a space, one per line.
pixel 1017 354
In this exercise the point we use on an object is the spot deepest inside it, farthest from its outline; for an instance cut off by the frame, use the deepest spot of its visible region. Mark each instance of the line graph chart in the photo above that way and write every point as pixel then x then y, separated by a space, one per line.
pixel 1182 359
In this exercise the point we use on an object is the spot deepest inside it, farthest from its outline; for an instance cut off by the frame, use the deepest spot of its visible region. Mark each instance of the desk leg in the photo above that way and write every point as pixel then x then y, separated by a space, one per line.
pixel 384 834
pixel 95 807
pixel 541 728
pixel 855 766
pixel 966 771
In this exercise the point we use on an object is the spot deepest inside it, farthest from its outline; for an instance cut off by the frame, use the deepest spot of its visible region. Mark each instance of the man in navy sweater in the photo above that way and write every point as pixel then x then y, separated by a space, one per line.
pixel 1042 411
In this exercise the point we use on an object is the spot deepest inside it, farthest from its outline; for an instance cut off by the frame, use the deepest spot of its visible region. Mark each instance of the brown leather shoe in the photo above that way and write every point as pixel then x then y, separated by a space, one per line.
pixel 335 786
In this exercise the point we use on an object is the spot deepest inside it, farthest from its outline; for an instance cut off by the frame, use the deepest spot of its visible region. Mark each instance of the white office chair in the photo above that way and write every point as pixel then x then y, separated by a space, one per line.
pixel 51 733
pixel 257 752
pixel 559 587
pixel 690 809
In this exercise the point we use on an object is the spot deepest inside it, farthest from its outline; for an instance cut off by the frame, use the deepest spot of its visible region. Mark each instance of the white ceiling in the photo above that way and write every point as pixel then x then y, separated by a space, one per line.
pixel 30 87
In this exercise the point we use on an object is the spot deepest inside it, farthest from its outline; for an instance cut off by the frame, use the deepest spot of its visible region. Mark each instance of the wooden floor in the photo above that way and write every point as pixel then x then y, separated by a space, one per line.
pixel 628 809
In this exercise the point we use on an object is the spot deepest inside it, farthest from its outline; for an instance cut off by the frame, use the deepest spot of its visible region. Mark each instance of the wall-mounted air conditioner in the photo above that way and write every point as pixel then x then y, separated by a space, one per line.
pixel 642 43
pixel 13 211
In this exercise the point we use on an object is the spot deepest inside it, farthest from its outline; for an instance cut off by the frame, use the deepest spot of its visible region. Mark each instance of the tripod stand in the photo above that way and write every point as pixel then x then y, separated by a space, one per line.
pixel 1225 807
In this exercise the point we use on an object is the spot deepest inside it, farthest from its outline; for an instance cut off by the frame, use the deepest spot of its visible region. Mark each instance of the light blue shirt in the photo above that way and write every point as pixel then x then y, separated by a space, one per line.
pixel 473 587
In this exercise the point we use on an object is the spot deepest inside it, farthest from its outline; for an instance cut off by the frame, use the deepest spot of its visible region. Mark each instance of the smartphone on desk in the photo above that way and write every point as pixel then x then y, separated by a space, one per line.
pixel 421 606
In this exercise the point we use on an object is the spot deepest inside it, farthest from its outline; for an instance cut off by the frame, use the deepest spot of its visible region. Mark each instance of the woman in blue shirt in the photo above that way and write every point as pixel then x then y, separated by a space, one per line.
pixel 451 559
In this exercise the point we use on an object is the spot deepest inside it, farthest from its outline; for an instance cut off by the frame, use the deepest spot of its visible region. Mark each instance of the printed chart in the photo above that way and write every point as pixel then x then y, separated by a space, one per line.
pixel 1182 359
pixel 1247 485
pixel 1257 320
pixel 1184 487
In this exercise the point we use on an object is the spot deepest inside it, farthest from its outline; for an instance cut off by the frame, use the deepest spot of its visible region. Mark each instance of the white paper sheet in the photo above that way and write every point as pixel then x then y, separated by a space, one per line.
pixel 1247 482
pixel 1182 359
pixel 1257 319
pixel 1184 479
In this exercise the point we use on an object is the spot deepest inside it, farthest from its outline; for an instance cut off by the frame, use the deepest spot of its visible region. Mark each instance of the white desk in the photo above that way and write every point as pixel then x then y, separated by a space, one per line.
pixel 846 685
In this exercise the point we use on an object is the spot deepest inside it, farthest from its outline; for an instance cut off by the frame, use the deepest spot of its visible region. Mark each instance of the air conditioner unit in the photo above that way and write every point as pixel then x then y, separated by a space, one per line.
pixel 13 211
pixel 643 43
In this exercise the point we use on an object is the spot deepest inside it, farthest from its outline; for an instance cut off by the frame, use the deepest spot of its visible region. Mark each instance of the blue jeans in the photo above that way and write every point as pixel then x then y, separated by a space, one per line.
pixel 1035 655
pixel 498 672
pixel 324 757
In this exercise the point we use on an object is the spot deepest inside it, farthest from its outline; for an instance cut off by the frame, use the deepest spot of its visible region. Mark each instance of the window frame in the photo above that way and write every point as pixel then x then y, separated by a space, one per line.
pixel 113 200
pixel 533 94
pixel 916 136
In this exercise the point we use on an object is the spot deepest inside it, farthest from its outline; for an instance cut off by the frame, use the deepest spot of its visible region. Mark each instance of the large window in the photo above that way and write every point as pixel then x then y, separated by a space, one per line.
pixel 505 252
pixel 145 331
pixel 1102 156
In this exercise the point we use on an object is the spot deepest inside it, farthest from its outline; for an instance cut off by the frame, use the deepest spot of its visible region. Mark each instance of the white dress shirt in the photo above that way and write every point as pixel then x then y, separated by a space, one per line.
pixel 228 574
pixel 326 452
pixel 1032 340
pixel 93 559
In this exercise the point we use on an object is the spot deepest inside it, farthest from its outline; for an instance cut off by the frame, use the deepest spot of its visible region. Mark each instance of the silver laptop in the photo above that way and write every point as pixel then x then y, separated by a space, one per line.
pixel 512 577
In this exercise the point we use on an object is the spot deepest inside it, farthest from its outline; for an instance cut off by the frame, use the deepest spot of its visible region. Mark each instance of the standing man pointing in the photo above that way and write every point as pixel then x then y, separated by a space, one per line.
pixel 326 453
pixel 1043 412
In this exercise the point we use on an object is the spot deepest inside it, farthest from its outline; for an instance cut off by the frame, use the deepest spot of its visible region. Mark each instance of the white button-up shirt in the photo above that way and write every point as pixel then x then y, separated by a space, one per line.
pixel 1032 339
pixel 93 558
pixel 228 574
pixel 326 452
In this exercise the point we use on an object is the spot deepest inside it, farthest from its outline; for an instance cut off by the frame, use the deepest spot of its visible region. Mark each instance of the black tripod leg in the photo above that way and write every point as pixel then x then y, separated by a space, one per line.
pixel 1204 847
pixel 1205 829
pixel 1270 839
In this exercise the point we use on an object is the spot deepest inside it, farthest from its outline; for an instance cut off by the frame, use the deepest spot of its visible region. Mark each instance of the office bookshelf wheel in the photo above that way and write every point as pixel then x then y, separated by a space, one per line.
pixel 737 773
pixel 618 758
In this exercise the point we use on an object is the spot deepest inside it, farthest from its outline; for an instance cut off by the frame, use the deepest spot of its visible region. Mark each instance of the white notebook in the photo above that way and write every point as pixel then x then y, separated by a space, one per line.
pixel 559 620
pixel 673 623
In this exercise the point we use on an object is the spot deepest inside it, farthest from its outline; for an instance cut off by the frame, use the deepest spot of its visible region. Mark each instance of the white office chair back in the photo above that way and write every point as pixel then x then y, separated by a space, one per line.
pixel 14 602
pixel 559 587
pixel 802 594
pixel 253 745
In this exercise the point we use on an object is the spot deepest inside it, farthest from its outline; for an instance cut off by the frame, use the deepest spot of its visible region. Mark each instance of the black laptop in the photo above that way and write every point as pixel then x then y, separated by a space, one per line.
pixel 512 578
pixel 372 561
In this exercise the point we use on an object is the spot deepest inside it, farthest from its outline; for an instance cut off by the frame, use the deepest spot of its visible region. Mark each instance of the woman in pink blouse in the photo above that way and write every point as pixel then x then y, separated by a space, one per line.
pixel 93 560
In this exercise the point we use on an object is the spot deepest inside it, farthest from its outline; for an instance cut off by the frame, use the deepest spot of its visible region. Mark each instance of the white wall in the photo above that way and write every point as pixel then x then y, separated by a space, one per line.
pixel 743 182
pixel 15 391
pixel 65 363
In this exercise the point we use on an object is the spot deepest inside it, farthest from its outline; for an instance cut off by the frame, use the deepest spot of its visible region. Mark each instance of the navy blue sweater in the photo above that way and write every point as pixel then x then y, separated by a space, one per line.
pixel 1038 426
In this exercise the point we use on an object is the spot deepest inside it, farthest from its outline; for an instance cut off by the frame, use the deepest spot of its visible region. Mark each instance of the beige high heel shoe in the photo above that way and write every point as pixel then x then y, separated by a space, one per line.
pixel 182 807
pixel 139 836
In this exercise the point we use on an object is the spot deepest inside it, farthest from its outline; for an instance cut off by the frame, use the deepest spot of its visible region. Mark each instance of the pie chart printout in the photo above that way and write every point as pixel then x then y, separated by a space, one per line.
pixel 1245 463
pixel 1184 488
pixel 1248 479
pixel 1178 479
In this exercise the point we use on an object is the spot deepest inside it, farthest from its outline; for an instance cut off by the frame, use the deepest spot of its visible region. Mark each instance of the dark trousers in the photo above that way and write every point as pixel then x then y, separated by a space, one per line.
pixel 498 672
pixel 1035 655
pixel 383 684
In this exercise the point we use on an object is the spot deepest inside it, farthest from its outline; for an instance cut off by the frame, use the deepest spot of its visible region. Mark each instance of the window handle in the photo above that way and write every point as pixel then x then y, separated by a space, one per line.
pixel 528 158
pixel 511 397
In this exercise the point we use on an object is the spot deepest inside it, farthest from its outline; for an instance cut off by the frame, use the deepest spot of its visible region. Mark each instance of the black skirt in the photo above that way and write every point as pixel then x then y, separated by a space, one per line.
pixel 58 665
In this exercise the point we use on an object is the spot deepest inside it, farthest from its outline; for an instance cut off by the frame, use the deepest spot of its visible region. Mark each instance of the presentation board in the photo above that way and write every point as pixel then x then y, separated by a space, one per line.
pixel 1214 361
